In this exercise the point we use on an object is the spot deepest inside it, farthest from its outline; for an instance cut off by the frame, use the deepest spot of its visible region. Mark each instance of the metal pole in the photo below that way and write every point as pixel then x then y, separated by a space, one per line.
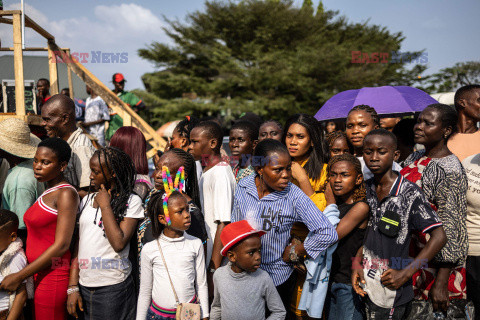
pixel 23 26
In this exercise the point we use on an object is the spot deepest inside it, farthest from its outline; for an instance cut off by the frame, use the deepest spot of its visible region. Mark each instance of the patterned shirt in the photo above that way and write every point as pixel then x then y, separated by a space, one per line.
pixel 382 252
pixel 96 109
pixel 115 120
pixel 445 184
pixel 240 173
pixel 275 213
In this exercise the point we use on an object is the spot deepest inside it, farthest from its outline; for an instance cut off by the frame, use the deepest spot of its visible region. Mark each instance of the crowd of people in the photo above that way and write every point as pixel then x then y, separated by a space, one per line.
pixel 366 218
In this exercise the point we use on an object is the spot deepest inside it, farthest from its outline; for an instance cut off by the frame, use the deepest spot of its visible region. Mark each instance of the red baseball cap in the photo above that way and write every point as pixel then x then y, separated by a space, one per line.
pixel 236 232
pixel 118 77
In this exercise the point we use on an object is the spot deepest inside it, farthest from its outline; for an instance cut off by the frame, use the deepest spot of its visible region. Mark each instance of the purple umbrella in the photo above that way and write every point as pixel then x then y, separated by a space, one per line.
pixel 385 100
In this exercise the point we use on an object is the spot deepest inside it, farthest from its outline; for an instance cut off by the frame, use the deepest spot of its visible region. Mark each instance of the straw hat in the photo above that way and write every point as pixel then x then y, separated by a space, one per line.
pixel 16 139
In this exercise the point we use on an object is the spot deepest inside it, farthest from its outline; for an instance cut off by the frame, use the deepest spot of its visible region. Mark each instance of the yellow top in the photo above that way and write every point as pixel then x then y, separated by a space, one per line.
pixel 318 197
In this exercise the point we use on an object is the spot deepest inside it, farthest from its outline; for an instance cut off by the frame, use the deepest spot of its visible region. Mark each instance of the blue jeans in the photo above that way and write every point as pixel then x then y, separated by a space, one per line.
pixel 343 303
pixel 117 301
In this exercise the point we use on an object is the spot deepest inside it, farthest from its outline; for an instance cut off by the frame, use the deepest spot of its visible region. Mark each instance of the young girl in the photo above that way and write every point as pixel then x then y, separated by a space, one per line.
pixel 132 141
pixel 346 182
pixel 338 144
pixel 50 223
pixel 181 258
pixel 107 222
pixel 270 129
pixel 361 120
pixel 181 134
pixel 173 159
pixel 304 141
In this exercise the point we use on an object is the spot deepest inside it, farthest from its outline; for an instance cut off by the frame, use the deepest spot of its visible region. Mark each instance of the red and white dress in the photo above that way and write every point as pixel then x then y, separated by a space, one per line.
pixel 50 284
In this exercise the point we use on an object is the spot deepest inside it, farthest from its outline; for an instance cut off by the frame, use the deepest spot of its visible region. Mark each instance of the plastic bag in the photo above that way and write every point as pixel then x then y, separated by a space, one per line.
pixel 457 310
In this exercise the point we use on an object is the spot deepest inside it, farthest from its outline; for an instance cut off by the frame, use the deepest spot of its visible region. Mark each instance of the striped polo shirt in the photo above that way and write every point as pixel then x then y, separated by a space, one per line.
pixel 275 214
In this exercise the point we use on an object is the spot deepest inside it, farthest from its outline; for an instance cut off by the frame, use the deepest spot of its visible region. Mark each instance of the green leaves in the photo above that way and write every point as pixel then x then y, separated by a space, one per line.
pixel 268 57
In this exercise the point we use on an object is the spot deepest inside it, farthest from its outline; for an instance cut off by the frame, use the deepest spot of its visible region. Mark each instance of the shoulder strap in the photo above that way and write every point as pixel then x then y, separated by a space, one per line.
pixel 168 273
pixel 60 186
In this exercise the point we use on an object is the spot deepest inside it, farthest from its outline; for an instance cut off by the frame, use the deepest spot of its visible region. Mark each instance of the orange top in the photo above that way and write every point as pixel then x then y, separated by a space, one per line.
pixel 464 145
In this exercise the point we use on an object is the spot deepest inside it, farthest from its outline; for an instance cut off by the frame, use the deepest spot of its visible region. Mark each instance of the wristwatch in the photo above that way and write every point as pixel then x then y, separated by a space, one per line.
pixel 211 270
pixel 293 255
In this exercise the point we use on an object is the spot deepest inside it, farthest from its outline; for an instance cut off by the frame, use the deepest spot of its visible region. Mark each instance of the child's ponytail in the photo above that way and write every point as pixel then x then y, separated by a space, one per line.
pixel 154 209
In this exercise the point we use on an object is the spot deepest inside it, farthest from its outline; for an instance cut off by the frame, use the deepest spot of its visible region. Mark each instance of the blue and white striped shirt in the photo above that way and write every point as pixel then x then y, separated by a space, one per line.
pixel 275 214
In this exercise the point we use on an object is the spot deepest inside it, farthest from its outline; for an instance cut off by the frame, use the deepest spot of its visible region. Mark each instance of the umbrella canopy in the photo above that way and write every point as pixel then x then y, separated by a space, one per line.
pixel 385 100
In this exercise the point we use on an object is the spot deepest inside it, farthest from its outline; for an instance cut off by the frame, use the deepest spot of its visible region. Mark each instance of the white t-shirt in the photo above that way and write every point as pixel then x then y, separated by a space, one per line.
pixel 17 263
pixel 186 264
pixel 472 169
pixel 217 187
pixel 99 264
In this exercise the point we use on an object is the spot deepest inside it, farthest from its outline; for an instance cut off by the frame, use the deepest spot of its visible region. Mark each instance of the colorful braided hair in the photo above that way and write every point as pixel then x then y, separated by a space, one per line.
pixel 169 187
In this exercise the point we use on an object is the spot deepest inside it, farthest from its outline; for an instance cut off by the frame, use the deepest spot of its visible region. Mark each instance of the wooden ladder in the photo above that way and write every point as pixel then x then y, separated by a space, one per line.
pixel 130 117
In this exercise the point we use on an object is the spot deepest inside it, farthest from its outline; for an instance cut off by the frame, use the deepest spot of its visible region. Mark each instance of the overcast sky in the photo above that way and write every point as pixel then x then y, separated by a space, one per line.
pixel 447 30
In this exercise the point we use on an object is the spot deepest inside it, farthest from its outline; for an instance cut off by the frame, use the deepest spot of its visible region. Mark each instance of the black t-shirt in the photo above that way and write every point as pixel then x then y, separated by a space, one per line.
pixel 346 250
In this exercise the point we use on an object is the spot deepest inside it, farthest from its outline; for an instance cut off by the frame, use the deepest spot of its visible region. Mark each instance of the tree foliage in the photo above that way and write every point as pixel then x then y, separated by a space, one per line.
pixel 452 78
pixel 269 57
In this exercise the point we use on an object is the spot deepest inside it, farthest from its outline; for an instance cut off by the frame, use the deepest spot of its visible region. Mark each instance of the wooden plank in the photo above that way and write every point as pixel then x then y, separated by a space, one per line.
pixel 118 106
pixel 151 153
pixel 32 24
pixel 6 21
pixel 27 49
pixel 127 119
pixel 29 119
pixel 52 70
pixel 9 12
pixel 18 65
pixel 70 81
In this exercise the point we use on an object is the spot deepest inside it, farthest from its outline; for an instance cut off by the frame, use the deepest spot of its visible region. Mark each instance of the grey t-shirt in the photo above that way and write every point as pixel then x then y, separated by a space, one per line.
pixel 244 296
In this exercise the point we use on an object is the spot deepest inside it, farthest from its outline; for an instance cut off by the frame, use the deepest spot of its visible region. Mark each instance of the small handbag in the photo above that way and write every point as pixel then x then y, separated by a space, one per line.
pixel 185 311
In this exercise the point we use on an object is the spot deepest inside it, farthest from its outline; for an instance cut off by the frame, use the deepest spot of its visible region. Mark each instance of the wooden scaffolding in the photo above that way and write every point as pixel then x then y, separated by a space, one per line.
pixel 130 117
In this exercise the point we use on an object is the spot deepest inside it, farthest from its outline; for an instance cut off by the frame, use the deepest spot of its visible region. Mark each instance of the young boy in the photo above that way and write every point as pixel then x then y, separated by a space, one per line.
pixel 398 207
pixel 241 288
pixel 216 185
pixel 242 141
pixel 12 260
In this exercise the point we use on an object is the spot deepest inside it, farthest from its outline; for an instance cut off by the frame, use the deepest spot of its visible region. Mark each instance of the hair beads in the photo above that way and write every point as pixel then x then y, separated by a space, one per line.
pixel 169 187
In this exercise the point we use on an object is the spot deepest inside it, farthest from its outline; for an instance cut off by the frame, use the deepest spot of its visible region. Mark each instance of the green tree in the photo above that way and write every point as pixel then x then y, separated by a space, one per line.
pixel 269 57
pixel 452 78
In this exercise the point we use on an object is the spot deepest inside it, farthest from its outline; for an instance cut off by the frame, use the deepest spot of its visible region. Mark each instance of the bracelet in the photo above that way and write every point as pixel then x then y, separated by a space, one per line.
pixel 72 290
pixel 293 255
